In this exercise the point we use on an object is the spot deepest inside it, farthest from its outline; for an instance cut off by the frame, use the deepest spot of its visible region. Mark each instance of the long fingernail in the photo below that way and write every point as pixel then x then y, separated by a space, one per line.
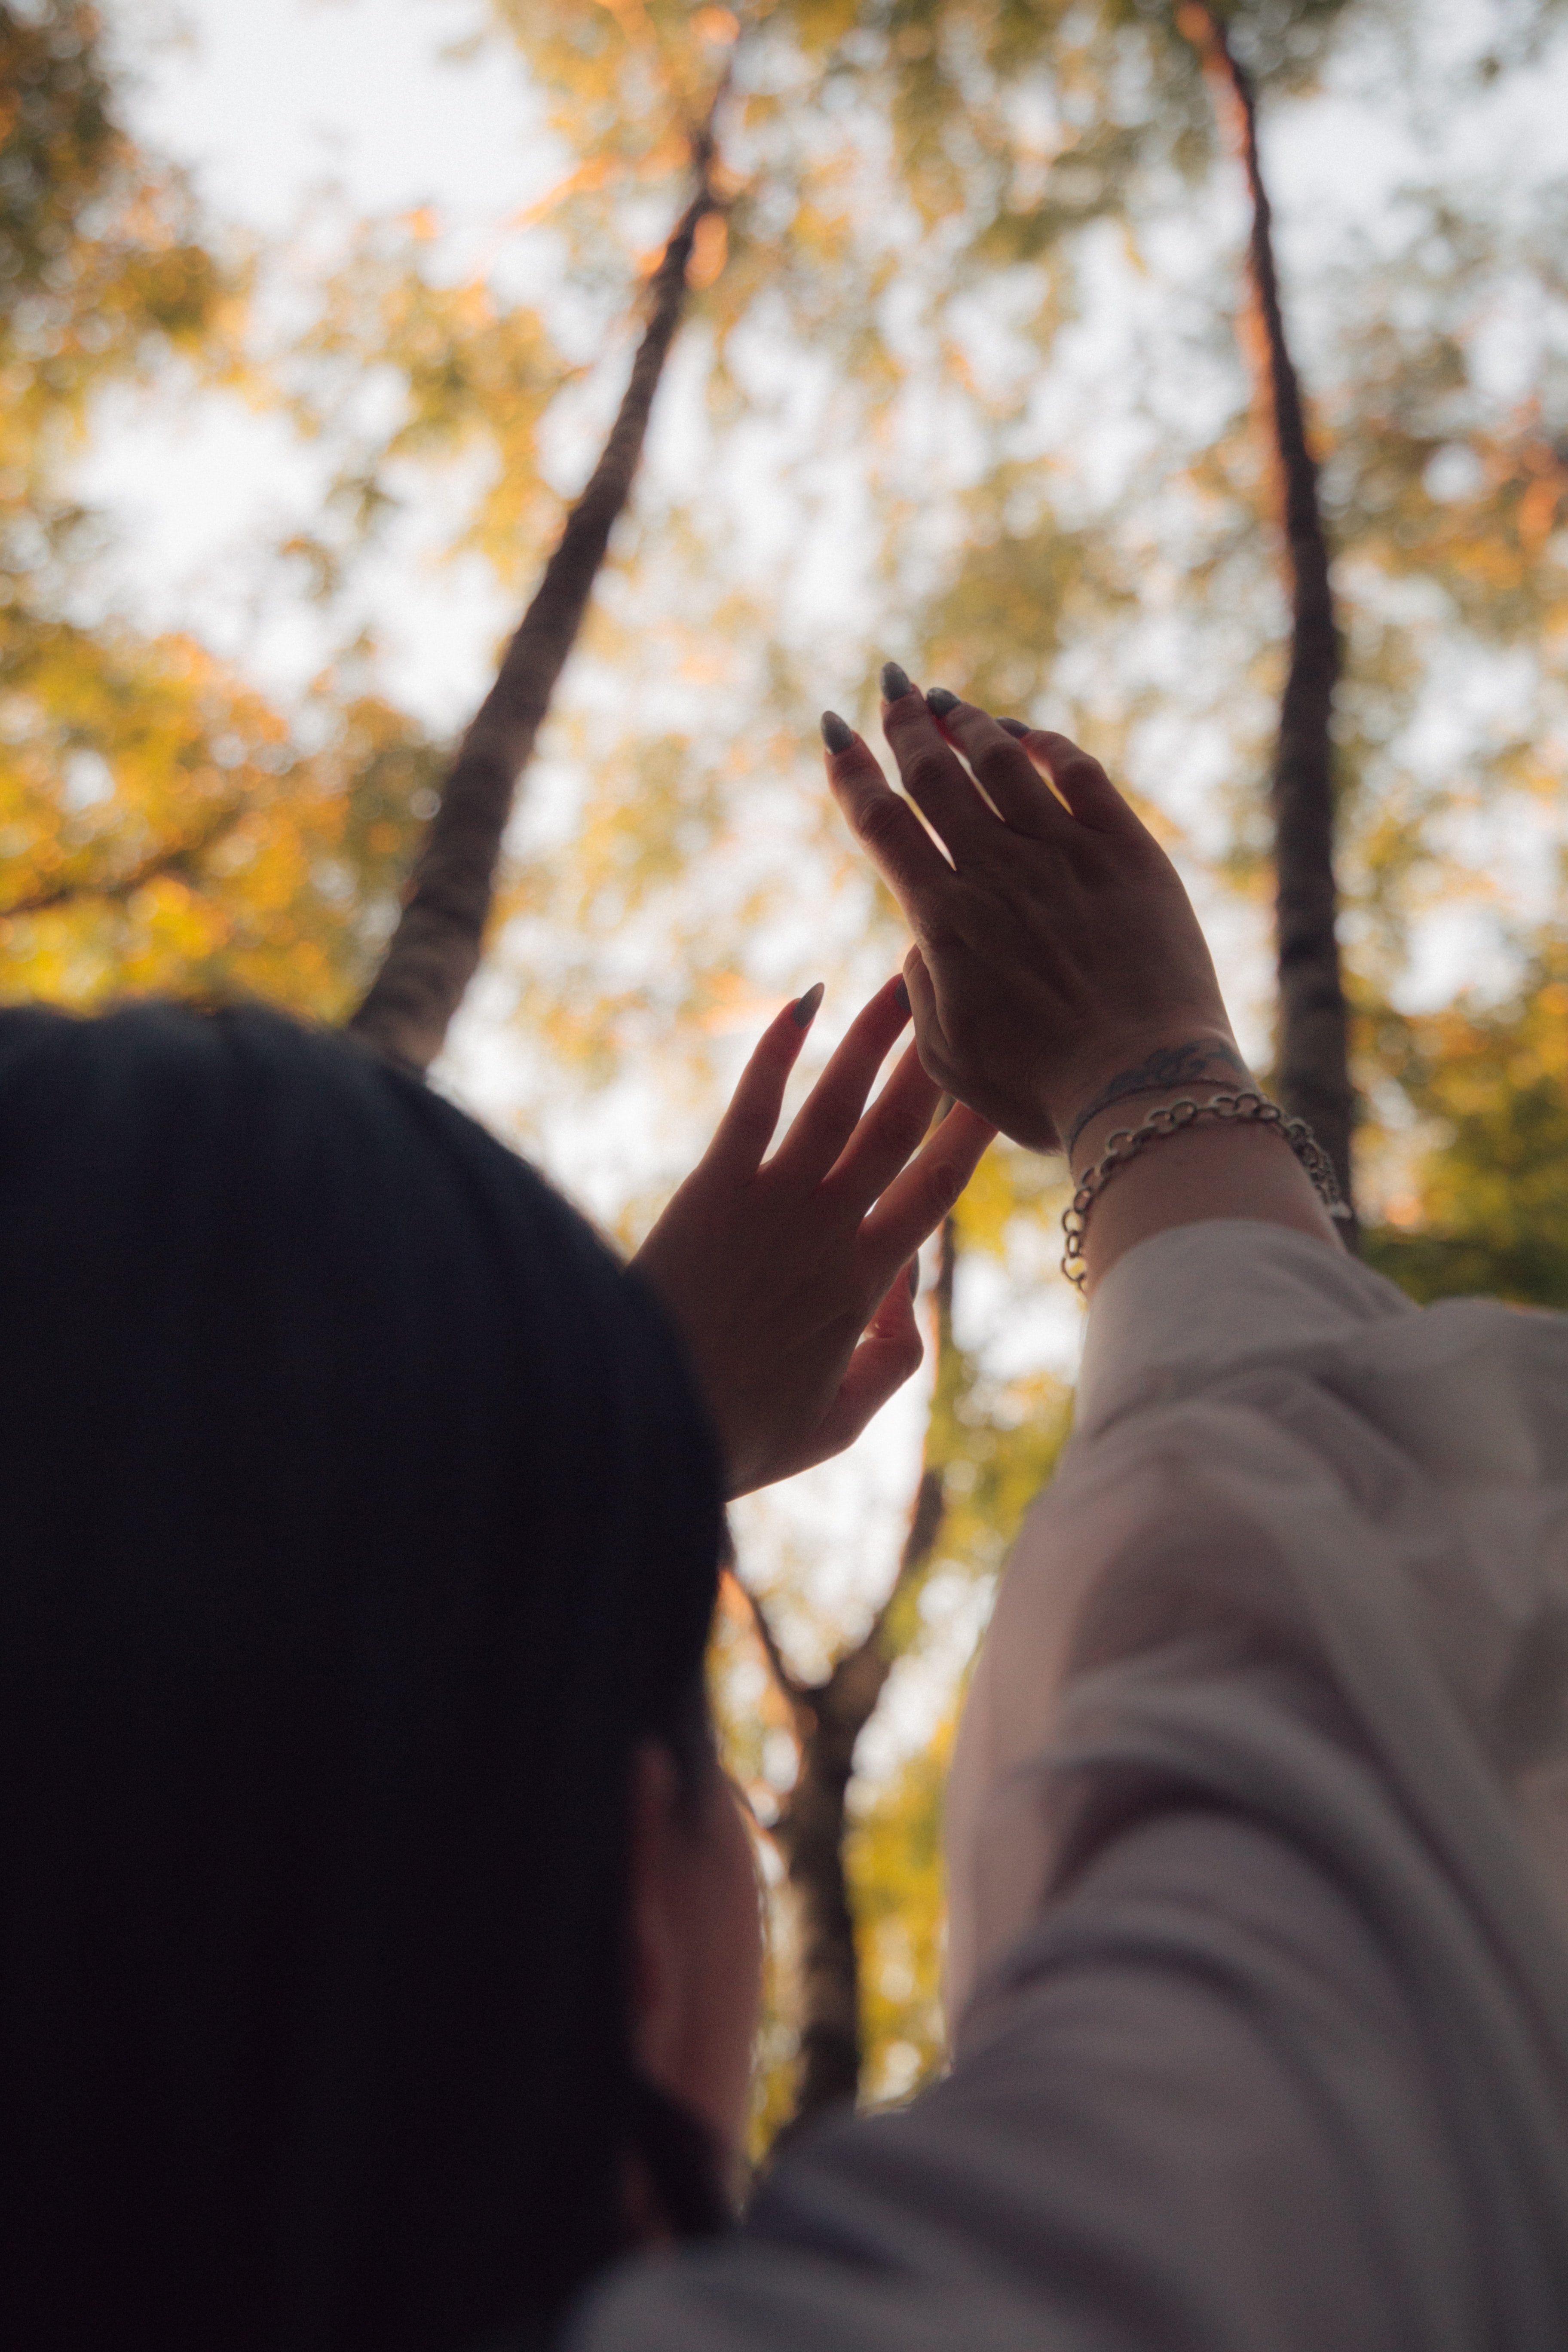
pixel 1015 727
pixel 939 700
pixel 804 1011
pixel 901 996
pixel 894 682
pixel 914 1277
pixel 837 733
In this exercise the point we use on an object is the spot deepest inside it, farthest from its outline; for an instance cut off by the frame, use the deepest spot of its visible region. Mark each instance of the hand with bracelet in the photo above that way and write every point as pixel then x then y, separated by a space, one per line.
pixel 1060 983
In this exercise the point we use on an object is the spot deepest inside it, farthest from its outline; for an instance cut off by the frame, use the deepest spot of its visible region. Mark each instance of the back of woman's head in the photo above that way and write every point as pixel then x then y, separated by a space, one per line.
pixel 356 1519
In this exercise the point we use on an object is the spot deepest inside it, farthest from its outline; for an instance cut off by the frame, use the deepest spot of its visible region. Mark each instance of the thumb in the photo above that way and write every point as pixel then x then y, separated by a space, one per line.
pixel 930 1043
pixel 922 996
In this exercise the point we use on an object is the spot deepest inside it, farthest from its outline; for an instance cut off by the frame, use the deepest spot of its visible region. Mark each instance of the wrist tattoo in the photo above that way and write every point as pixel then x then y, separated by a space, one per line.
pixel 1204 1061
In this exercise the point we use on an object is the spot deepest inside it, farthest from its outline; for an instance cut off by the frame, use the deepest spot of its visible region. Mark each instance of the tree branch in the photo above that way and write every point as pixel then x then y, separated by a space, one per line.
pixel 170 859
pixel 435 950
pixel 793 1690
pixel 849 1696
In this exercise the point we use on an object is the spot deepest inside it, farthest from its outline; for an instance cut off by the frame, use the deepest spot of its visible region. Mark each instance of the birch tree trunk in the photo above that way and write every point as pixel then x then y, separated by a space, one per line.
pixel 1312 1065
pixel 435 949
pixel 828 1718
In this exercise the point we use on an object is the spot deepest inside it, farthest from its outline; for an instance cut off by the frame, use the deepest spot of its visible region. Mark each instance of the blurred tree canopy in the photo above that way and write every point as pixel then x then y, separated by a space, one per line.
pixel 1488 1209
pixel 162 826
pixel 991 248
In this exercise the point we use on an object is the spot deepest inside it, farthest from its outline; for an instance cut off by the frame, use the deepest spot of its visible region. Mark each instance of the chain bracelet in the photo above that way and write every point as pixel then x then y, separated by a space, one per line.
pixel 1171 1118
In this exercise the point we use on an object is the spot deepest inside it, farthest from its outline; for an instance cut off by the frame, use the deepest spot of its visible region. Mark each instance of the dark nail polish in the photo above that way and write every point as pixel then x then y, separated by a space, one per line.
pixel 939 700
pixel 901 996
pixel 837 733
pixel 1015 727
pixel 803 1012
pixel 915 1278
pixel 894 682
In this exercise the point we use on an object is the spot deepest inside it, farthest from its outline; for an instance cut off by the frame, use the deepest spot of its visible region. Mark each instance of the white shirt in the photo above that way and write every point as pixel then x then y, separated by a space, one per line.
pixel 1258 1862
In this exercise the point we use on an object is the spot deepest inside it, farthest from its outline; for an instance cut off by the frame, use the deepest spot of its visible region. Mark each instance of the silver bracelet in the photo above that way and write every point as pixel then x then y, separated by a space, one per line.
pixel 1170 1118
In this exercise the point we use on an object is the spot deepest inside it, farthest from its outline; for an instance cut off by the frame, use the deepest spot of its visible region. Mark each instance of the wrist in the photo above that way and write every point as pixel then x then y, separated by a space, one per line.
pixel 1124 1082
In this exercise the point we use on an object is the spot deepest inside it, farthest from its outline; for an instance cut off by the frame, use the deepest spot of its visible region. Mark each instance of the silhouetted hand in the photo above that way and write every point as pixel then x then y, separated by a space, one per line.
pixel 790 1277
pixel 1058 965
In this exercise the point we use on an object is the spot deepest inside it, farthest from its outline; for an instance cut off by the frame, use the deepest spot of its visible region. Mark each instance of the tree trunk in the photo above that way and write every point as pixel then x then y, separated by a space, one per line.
pixel 435 950
pixel 828 1718
pixel 1312 1069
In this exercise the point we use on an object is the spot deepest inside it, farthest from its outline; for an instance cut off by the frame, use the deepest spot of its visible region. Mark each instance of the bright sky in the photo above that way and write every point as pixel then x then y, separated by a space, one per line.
pixel 292 115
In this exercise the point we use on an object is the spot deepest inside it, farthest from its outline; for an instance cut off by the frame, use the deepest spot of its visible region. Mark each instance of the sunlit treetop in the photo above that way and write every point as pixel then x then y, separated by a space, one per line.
pixel 163 830
pixel 163 827
pixel 879 166
pixel 478 377
pixel 1010 121
pixel 102 267
pixel 921 197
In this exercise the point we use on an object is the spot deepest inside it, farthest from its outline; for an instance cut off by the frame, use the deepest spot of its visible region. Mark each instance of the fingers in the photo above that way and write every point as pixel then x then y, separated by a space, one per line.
pixel 915 1203
pixel 1081 780
pixel 746 1130
pixel 1011 777
pixel 887 1356
pixel 888 828
pixel 935 778
pixel 889 1133
pixel 833 1109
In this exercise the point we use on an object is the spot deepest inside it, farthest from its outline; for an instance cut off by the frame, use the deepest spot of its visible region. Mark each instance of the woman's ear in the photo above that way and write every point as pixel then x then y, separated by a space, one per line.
pixel 694 1933
pixel 656 1889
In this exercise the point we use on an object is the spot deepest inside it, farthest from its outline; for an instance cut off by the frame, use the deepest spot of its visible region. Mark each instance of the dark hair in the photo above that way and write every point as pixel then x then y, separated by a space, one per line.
pixel 357 1514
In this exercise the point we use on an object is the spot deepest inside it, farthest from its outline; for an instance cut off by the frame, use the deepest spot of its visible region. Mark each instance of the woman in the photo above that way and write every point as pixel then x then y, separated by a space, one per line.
pixel 380 1937
pixel 1259 1828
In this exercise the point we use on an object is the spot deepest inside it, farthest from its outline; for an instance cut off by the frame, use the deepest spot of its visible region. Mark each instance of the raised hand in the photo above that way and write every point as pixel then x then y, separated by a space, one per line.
pixel 790 1276
pixel 1059 966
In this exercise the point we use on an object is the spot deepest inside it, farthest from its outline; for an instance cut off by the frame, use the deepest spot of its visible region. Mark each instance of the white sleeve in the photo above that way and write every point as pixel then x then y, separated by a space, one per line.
pixel 1258 1835
pixel 1204 2124
pixel 1275 1451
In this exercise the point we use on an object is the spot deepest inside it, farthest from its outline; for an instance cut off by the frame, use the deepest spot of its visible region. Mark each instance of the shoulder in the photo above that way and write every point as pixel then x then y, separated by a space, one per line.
pixel 1197 2071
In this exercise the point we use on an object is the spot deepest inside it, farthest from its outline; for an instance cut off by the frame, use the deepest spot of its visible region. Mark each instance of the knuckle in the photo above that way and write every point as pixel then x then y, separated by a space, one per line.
pixel 926 770
pixel 903 1132
pixel 935 1051
pixel 1069 761
pixel 946 936
pixel 1002 759
pixel 948 1180
pixel 879 822
pixel 839 1104
pixel 948 1190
